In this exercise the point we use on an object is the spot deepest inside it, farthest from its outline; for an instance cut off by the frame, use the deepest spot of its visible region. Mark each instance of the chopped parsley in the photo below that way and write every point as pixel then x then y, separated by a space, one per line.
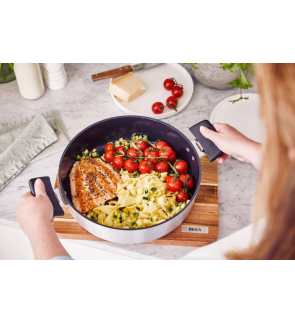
pixel 153 189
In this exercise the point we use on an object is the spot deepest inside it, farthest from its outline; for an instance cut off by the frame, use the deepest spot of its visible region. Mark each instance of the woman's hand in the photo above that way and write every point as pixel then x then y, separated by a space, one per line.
pixel 34 213
pixel 35 216
pixel 233 143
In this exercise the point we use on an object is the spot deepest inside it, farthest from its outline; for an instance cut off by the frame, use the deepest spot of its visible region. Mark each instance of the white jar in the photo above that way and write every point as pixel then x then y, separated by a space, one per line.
pixel 29 80
pixel 55 76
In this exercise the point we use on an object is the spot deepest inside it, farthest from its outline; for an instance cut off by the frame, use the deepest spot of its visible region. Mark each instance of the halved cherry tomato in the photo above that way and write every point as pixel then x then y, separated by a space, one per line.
pixel 177 92
pixel 118 162
pixel 132 152
pixel 173 184
pixel 160 144
pixel 169 84
pixel 109 147
pixel 145 166
pixel 166 152
pixel 151 152
pixel 109 156
pixel 180 166
pixel 173 157
pixel 187 180
pixel 172 102
pixel 161 166
pixel 121 150
pixel 182 195
pixel 158 108
pixel 131 165
pixel 141 145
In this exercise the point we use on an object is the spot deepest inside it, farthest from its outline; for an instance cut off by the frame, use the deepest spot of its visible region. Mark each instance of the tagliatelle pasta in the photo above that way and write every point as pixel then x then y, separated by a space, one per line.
pixel 142 202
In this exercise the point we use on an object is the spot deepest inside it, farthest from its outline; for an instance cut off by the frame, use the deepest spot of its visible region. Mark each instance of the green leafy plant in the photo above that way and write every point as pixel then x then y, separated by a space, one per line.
pixel 6 72
pixel 240 82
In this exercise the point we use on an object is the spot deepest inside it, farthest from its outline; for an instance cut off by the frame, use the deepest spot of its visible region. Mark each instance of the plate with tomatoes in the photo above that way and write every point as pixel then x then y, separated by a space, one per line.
pixel 169 89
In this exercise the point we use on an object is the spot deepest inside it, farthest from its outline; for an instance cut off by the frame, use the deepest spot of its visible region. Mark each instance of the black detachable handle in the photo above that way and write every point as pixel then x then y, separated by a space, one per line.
pixel 211 150
pixel 57 210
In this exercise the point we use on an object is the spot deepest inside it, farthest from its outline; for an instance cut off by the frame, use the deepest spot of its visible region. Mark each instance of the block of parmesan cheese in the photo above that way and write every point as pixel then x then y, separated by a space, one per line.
pixel 127 87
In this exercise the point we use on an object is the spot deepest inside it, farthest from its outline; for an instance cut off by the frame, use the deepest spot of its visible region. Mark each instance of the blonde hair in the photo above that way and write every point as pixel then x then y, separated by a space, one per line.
pixel 275 198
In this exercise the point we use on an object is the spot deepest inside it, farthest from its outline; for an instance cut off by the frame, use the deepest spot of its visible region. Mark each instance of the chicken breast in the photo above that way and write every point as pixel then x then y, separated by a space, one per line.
pixel 93 182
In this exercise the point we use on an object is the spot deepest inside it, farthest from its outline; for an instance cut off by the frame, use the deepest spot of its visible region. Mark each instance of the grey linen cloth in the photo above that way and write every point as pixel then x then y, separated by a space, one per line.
pixel 29 140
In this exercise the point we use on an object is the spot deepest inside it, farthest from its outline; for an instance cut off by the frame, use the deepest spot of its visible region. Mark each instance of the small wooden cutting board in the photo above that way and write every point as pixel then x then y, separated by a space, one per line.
pixel 198 229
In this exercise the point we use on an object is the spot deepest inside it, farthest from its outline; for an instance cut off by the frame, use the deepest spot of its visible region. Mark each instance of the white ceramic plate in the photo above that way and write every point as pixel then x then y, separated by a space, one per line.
pixel 243 115
pixel 153 80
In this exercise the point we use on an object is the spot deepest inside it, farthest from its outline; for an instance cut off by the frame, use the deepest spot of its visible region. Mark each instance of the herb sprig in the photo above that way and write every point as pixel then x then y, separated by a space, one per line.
pixel 240 82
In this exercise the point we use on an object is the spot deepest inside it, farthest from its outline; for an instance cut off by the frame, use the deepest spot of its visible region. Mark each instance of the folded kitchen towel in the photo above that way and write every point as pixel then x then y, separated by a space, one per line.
pixel 29 140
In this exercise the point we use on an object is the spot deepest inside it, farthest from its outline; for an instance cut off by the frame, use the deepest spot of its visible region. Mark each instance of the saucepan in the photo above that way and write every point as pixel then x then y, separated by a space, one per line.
pixel 97 136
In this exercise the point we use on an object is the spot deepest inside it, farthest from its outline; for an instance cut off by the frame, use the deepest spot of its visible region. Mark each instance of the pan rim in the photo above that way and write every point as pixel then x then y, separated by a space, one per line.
pixel 140 117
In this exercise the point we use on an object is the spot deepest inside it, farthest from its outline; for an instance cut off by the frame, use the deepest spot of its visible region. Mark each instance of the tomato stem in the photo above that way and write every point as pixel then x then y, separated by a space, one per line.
pixel 172 167
pixel 171 107
pixel 176 83
pixel 144 158
pixel 153 145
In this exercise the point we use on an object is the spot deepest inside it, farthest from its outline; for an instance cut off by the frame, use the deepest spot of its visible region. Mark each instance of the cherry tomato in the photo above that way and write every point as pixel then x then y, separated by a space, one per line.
pixel 131 165
pixel 109 156
pixel 161 166
pixel 173 184
pixel 166 151
pixel 141 145
pixel 151 152
pixel 121 150
pixel 145 166
pixel 132 152
pixel 172 102
pixel 118 162
pixel 177 92
pixel 169 84
pixel 158 108
pixel 187 180
pixel 180 166
pixel 160 144
pixel 182 195
pixel 173 157
pixel 167 178
pixel 109 147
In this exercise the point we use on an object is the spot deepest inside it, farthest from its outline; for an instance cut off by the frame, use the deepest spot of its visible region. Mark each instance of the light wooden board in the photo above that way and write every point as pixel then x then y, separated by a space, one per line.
pixel 204 213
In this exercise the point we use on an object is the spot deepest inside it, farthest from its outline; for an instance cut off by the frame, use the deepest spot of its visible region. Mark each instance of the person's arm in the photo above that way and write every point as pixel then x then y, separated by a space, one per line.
pixel 233 143
pixel 35 215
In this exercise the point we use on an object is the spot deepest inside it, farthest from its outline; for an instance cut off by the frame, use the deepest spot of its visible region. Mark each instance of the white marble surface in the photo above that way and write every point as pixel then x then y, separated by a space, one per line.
pixel 82 103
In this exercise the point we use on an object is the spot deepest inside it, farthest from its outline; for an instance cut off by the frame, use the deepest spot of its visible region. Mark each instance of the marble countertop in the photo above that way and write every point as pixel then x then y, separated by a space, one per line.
pixel 82 103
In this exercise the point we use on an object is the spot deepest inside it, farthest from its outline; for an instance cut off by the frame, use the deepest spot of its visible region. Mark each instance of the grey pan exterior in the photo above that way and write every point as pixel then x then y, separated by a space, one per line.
pixel 100 133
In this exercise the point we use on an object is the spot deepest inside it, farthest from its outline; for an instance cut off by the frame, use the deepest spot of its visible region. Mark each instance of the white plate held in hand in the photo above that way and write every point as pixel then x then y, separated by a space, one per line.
pixel 153 80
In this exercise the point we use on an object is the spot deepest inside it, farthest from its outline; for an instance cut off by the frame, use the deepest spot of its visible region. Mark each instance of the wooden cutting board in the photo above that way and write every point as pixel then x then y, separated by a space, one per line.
pixel 203 217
